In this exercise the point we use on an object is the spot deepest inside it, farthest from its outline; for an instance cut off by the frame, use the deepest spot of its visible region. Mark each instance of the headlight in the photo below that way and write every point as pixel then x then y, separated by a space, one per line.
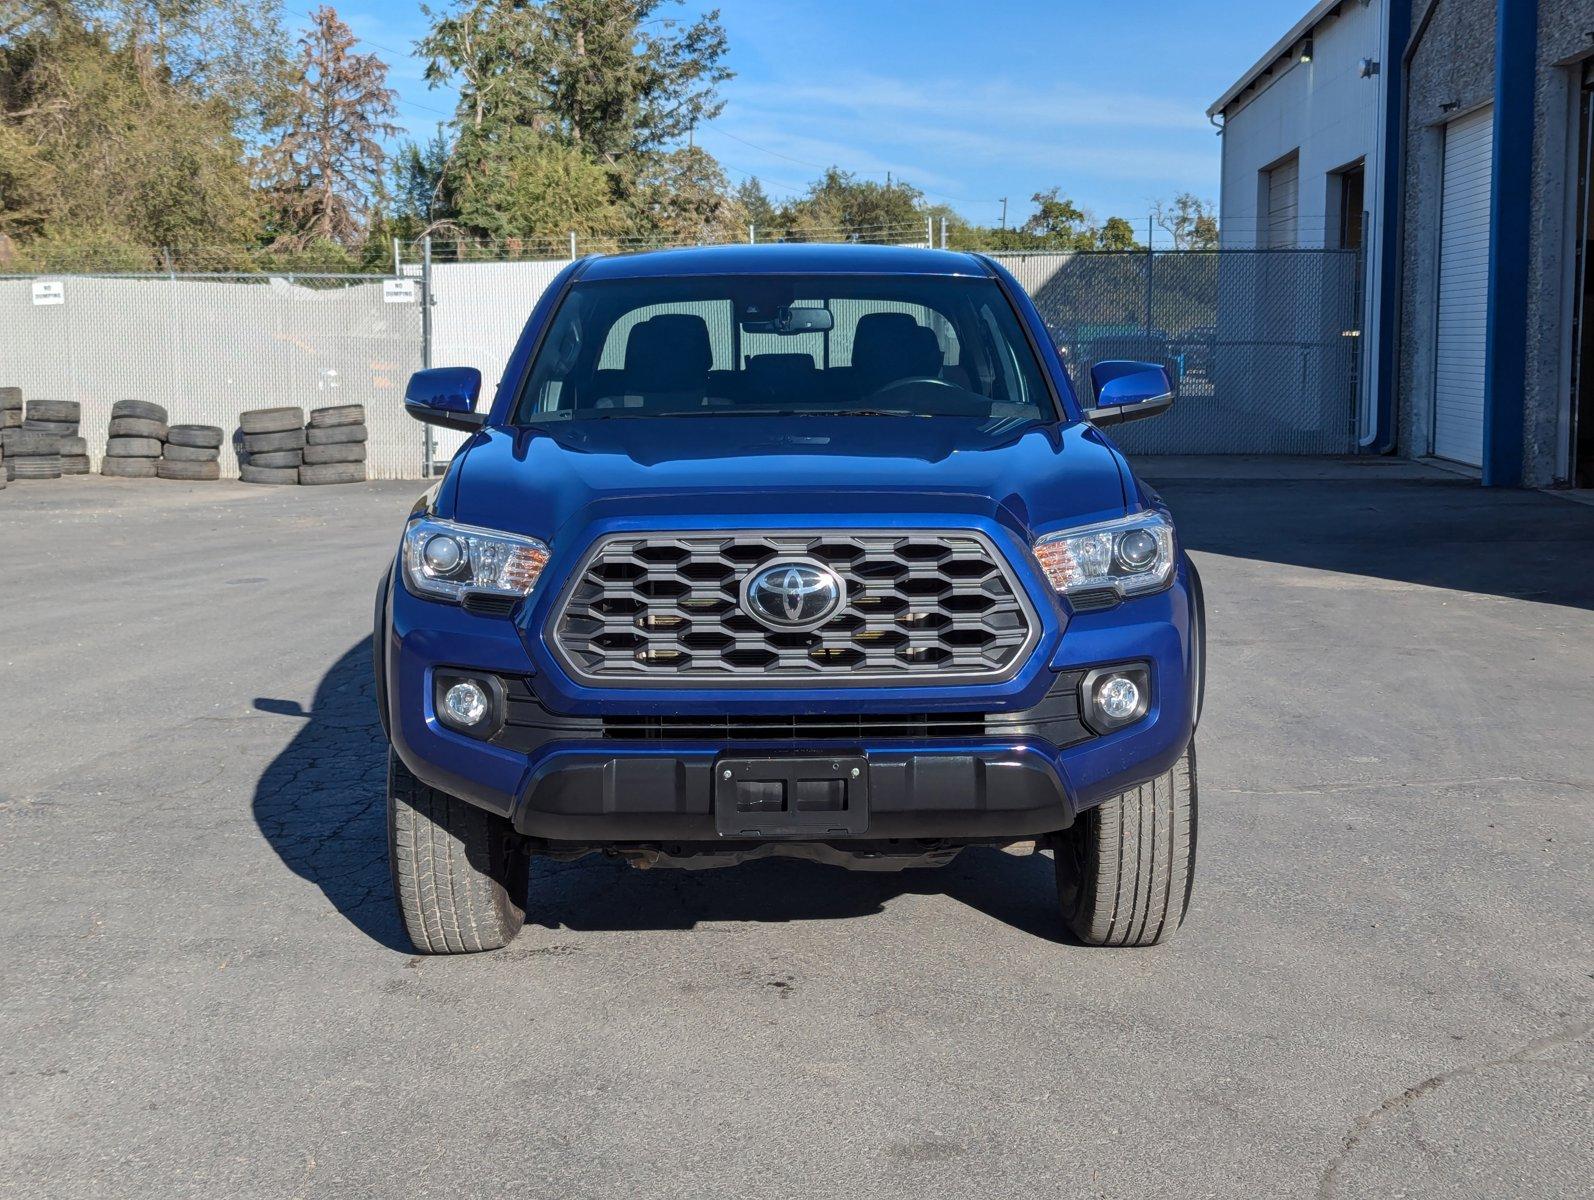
pixel 446 560
pixel 1132 556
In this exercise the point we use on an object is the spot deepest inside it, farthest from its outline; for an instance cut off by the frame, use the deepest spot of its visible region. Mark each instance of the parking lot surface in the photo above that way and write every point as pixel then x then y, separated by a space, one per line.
pixel 1383 987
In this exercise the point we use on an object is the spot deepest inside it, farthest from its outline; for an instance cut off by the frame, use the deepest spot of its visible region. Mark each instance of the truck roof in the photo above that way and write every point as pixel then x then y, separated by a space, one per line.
pixel 790 258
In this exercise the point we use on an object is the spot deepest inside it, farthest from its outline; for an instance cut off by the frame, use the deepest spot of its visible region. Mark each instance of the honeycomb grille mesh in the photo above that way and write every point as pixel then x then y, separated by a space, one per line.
pixel 920 605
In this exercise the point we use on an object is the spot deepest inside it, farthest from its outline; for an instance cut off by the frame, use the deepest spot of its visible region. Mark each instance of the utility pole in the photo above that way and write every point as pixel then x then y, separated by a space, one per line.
pixel 943 233
pixel 1004 212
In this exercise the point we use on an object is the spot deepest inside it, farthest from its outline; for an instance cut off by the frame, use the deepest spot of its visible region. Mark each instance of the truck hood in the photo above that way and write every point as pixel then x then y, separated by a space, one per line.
pixel 550 481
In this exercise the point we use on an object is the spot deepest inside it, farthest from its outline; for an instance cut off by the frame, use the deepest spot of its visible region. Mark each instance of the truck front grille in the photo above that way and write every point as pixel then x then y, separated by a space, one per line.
pixel 931 606
pixel 528 726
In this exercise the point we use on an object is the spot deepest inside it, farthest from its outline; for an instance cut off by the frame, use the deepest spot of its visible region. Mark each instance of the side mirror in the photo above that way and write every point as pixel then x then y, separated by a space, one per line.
pixel 446 396
pixel 1127 391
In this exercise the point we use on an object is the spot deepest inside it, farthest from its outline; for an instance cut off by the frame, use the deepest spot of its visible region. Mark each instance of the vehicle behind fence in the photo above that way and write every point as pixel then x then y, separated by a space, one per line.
pixel 1263 346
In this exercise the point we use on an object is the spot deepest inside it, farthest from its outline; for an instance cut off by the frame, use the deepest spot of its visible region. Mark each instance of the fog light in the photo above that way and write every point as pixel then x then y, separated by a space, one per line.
pixel 465 703
pixel 1112 697
pixel 470 704
pixel 1117 697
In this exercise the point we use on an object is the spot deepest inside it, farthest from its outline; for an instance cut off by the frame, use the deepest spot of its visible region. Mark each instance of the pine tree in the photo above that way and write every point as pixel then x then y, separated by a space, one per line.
pixel 622 80
pixel 757 209
pixel 327 161
pixel 612 82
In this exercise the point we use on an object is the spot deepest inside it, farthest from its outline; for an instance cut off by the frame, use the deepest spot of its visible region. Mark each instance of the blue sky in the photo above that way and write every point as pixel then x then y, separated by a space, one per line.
pixel 970 101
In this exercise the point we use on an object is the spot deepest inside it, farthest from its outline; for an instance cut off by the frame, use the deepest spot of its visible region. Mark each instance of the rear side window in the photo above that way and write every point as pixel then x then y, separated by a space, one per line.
pixel 910 345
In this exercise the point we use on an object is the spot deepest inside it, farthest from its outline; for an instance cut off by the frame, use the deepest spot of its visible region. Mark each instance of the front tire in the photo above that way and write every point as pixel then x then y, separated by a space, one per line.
pixel 1125 868
pixel 459 873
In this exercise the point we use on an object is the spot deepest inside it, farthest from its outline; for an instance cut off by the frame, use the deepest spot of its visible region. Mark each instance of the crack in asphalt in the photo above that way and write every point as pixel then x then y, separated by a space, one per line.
pixel 1329 1180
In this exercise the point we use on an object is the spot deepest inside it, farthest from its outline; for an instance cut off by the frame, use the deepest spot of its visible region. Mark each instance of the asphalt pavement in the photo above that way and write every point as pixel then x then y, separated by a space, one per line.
pixel 1383 986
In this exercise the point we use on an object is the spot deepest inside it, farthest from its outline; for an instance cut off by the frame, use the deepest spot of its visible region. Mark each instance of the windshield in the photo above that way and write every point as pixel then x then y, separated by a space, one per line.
pixel 837 345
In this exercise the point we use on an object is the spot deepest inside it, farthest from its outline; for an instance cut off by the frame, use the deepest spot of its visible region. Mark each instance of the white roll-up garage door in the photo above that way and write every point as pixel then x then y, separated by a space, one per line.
pixel 1283 205
pixel 1463 289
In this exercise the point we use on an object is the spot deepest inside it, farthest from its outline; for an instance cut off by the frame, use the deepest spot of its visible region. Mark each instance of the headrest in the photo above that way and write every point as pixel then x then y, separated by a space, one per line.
pixel 890 346
pixel 668 353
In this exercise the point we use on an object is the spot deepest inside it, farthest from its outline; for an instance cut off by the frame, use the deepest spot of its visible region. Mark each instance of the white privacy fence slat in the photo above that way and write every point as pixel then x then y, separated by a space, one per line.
pixel 479 312
pixel 207 348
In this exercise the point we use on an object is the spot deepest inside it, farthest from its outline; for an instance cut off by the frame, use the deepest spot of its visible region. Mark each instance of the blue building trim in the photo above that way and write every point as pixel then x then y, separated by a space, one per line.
pixel 1510 214
pixel 1386 326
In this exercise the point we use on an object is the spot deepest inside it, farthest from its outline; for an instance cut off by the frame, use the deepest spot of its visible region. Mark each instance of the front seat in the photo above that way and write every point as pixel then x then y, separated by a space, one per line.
pixel 667 360
pixel 891 346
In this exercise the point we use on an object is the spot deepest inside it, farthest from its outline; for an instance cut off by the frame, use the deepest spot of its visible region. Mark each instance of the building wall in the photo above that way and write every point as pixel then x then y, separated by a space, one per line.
pixel 1328 113
pixel 1322 108
pixel 1451 74
pixel 1564 41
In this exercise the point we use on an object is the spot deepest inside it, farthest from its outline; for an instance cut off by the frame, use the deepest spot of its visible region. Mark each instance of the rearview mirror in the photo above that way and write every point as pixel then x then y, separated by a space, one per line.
pixel 1128 391
pixel 446 396
pixel 788 322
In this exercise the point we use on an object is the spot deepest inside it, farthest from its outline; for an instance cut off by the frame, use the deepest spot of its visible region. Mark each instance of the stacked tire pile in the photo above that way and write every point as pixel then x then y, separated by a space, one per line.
pixel 271 448
pixel 46 444
pixel 10 418
pixel 192 452
pixel 334 450
pixel 137 440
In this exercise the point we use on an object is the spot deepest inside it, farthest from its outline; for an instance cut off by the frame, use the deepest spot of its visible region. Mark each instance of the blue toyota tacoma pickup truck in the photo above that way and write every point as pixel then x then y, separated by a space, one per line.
pixel 798 550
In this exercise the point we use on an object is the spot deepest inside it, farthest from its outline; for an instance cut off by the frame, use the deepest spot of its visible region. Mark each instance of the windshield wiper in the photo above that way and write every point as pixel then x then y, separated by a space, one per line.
pixel 734 411
pixel 870 412
pixel 727 411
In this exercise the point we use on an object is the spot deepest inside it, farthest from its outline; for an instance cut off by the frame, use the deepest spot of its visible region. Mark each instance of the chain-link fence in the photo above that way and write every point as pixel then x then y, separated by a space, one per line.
pixel 1263 346
pixel 209 346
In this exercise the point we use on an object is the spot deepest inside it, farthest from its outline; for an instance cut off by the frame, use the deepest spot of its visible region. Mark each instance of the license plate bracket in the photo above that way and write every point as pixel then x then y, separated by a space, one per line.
pixel 794 796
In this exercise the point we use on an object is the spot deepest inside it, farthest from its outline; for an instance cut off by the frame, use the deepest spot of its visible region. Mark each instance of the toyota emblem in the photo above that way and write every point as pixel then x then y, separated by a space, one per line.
pixel 794 595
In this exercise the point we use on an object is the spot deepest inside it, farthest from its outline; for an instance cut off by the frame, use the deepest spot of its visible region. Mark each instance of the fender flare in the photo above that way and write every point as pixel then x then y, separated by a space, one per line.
pixel 1198 628
pixel 379 649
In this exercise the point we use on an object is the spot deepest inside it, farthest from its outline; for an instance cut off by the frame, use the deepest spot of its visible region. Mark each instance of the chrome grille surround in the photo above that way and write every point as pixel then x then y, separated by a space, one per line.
pixel 661 609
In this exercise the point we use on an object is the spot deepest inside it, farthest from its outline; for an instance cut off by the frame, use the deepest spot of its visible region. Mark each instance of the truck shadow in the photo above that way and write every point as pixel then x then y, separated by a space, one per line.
pixel 600 894
pixel 1384 519
pixel 321 806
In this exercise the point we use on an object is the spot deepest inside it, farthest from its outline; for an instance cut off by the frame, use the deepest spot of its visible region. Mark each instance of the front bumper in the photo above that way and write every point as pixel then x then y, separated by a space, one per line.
pixel 590 796
pixel 579 777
